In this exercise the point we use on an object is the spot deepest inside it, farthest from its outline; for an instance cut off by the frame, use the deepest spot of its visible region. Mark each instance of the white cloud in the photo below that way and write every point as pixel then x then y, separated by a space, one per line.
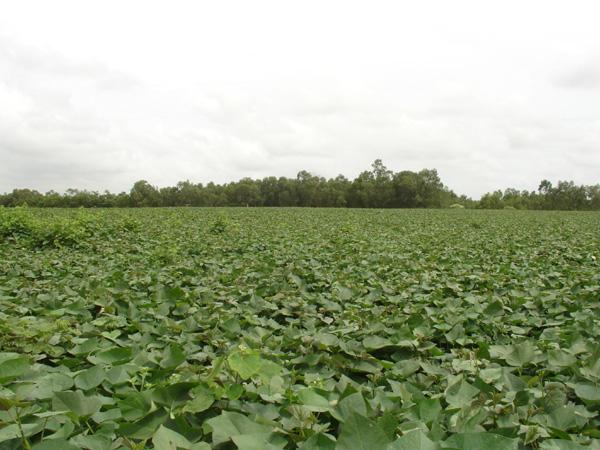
pixel 99 94
pixel 586 76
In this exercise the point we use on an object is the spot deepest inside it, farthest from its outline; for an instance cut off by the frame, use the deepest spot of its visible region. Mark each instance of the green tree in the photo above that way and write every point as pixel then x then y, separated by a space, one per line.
pixel 144 194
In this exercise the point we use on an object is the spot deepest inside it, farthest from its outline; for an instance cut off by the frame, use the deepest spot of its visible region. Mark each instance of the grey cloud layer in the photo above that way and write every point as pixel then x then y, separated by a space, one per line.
pixel 69 123
pixel 586 76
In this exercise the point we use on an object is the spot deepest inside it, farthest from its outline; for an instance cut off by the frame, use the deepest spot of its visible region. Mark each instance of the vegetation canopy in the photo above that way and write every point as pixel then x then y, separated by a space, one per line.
pixel 375 188
pixel 281 328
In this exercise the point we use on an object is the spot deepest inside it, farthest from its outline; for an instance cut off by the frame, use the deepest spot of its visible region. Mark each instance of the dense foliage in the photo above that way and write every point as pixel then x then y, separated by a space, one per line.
pixel 375 188
pixel 311 328
pixel 378 188
pixel 566 195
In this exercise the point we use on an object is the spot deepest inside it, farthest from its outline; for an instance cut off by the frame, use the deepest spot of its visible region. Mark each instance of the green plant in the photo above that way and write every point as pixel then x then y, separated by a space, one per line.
pixel 299 328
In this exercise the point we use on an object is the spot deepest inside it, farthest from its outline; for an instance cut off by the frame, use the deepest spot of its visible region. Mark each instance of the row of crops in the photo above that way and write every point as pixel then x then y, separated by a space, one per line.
pixel 192 328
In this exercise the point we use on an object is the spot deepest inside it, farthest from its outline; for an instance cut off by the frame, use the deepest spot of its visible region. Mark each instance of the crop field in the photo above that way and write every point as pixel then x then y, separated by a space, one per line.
pixel 328 329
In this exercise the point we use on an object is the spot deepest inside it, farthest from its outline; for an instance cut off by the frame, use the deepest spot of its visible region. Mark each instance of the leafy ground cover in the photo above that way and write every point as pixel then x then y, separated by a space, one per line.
pixel 298 328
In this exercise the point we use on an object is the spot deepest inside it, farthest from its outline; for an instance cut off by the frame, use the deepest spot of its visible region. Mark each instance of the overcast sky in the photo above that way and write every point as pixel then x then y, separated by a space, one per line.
pixel 99 94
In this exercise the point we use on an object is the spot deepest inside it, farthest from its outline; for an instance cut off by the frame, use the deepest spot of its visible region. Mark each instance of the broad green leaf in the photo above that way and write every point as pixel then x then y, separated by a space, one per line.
pixel 12 365
pixel 12 431
pixel 118 375
pixel 457 332
pixel 173 356
pixel 90 378
pixel 110 415
pixel 66 429
pixel 76 402
pixel 493 309
pixel 200 446
pixel 561 418
pixel 415 440
pixel 318 442
pixel 136 405
pixel 587 391
pixel 478 441
pixel 55 444
pixel 388 423
pixel 554 396
pixel 202 399
pixel 359 433
pixel 172 395
pixel 560 358
pixel 145 427
pixel 229 424
pixel 429 409
pixel 376 342
pixel 46 386
pixel 327 340
pixel 166 439
pixel 268 370
pixel 460 394
pixel 523 354
pixel 84 347
pixel 92 442
pixel 171 294
pixel 350 405
pixel 245 363
pixel 258 441
pixel 234 391
pixel 313 400
pixel 113 355
pixel 560 444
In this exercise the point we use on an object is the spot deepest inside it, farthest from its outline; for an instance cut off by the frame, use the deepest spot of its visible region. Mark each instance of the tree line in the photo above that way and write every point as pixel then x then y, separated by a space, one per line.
pixel 375 188
pixel 566 195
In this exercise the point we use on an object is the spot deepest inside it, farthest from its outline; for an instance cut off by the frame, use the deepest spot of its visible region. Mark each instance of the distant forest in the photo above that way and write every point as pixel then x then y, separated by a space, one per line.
pixel 375 188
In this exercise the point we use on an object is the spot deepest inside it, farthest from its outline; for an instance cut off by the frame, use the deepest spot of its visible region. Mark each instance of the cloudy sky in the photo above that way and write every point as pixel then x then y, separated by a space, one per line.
pixel 99 94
